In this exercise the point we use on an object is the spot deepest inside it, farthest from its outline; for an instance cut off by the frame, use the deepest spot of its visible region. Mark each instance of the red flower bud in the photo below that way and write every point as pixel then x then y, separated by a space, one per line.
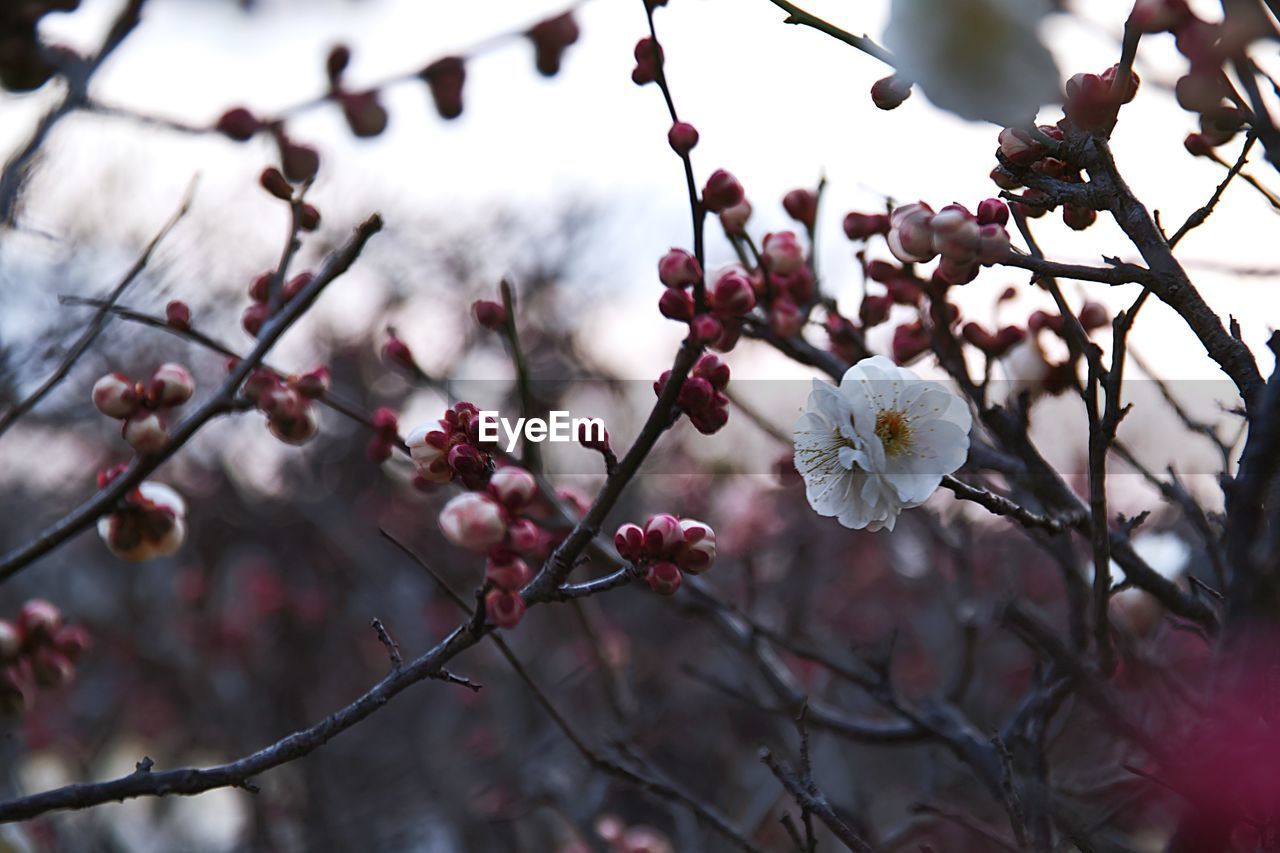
pixel 489 314
pixel 37 621
pixel 910 341
pixel 785 318
pixel 177 315
pixel 1093 315
pixel 364 113
pixel 888 93
pixel 713 369
pixel 663 578
pixel 504 609
pixel 239 124
pixel 275 183
pixel 993 211
pixel 662 535
pixel 253 317
pixel 550 40
pixel 722 191
pixel 704 328
pixel 862 226
pixel 300 162
pixel 677 268
pixel 397 352
pixel 682 137
pixel 802 206
pixel 1078 218
pixel 315 383
pixel 698 551
pixel 629 540
pixel 649 60
pixel 676 305
pixel 874 310
pixel 733 295
pixel 446 77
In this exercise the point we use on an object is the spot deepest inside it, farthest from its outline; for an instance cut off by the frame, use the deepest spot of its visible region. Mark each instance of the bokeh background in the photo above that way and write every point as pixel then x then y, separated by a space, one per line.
pixel 260 624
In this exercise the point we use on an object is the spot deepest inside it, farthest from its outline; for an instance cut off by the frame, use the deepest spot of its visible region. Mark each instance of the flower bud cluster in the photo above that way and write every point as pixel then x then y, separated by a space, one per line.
pixel 142 406
pixel 964 241
pixel 37 650
pixel 702 395
pixel 731 298
pixel 149 521
pixel 649 59
pixel 452 448
pixel 1093 100
pixel 259 311
pixel 666 548
pixel 288 403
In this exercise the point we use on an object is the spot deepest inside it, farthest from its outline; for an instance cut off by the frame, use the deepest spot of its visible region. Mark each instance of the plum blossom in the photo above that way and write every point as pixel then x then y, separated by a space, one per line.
pixel 980 59
pixel 878 443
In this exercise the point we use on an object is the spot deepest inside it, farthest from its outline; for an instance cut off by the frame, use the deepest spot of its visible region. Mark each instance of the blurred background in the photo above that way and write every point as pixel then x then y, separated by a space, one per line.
pixel 260 624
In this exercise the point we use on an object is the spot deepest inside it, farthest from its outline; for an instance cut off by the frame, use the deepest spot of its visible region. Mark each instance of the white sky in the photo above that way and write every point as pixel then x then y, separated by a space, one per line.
pixel 777 105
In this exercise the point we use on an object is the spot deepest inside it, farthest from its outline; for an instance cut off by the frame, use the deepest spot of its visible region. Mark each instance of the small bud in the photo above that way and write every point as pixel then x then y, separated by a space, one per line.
pixel 682 137
pixel 993 211
pixel 446 77
pixel 364 113
pixel 114 396
pixel 473 521
pixel 629 540
pixel 802 206
pixel 785 318
pixel 296 285
pixel 734 218
pixel 663 578
pixel 145 432
pixel 378 450
pixel 678 269
pixel 676 305
pixel 733 295
pixel 275 183
pixel 177 315
pixel 1093 315
pixel 889 93
pixel 722 191
pixel 704 329
pixel 993 244
pixel 171 385
pixel 662 535
pixel 398 353
pixel 1078 218
pixel 1020 147
pixel 862 226
pixel 300 162
pixel 254 316
pixel 504 609
pixel 649 59
pixel 51 668
pixel 314 384
pixel 260 382
pixel 37 621
pixel 308 217
pixel 910 341
pixel 695 394
pixel 296 422
pixel 550 40
pixel 514 487
pixel 783 252
pixel 509 572
pixel 489 314
pixel 238 124
pixel 698 551
pixel 911 233
pixel 525 536
pixel 426 448
pixel 874 310
pixel 385 423
pixel 72 640
pixel 336 62
pixel 713 369
pixel 1198 145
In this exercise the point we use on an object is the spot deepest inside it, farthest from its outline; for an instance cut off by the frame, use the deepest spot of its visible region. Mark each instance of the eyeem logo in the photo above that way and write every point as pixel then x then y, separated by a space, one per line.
pixel 558 426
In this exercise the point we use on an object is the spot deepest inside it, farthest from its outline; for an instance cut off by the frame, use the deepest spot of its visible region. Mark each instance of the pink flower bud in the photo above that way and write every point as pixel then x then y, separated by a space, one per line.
pixel 722 191
pixel 629 540
pixel 699 549
pixel 397 352
pixel 733 295
pixel 489 314
pixel 114 396
pixel 662 535
pixel 504 609
pixel 445 77
pixel 785 318
pixel 649 59
pixel 1020 147
pixel 802 206
pixel 254 316
pixel 72 640
pixel 705 329
pixel 524 535
pixel 734 218
pixel 993 211
pixel 294 422
pixel 171 385
pixel 509 572
pixel 862 226
pixel 663 578
pixel 177 315
pixel 1093 315
pixel 696 393
pixel 473 521
pixel 550 40
pixel 514 487
pixel 713 369
pixel 910 341
pixel 993 244
pixel 145 432
pixel 888 93
pixel 951 271
pixel 874 310
pixel 956 234
pixel 678 269
pixel 1078 218
pixel 676 305
pixel 682 137
pixel 911 235
pixel 313 384
pixel 783 252
pixel 37 621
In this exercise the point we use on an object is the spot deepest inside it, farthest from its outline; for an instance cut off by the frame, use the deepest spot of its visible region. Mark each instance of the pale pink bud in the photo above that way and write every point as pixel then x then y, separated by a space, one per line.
pixel 525 536
pixel 629 540
pixel 699 549
pixel 114 396
pixel 678 269
pixel 155 528
pixel 704 328
pixel 722 191
pixel 504 609
pixel 993 244
pixel 993 211
pixel 956 272
pixel 172 385
pixel 733 295
pixel 145 432
pixel 955 234
pixel 473 521
pixel 510 573
pixel 784 253
pixel 910 234
pixel 1019 146
pixel 785 318
pixel 663 578
pixel 426 448
pixel 734 219
pixel 662 535
pixel 514 487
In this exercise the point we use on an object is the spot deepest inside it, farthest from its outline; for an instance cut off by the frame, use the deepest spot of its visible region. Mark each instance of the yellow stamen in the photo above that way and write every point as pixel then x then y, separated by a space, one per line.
pixel 894 431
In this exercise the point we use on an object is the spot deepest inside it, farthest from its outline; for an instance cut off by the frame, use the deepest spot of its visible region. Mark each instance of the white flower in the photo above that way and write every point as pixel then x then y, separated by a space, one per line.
pixel 878 443
pixel 980 59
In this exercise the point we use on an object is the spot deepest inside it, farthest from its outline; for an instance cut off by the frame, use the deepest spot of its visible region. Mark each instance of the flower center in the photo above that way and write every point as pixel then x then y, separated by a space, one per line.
pixel 894 431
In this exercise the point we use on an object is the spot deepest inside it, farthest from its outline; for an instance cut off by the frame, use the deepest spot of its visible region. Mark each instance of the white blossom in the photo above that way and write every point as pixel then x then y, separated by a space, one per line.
pixel 878 443
pixel 980 59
